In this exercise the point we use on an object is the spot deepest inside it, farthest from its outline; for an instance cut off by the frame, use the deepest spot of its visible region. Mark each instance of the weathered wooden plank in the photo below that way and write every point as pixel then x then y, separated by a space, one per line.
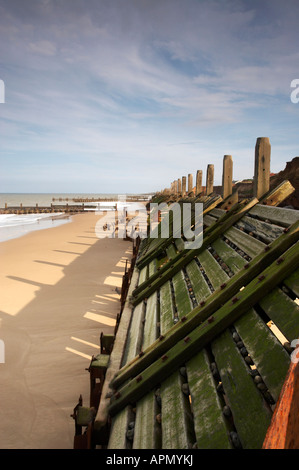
pixel 230 257
pixel 166 307
pixel 275 196
pixel 209 220
pixel 276 215
pixel 213 270
pixel 147 430
pixel 171 251
pixel 175 415
pixel 199 284
pixel 182 298
pixel 173 402
pixel 245 242
pixel 135 334
pixel 209 423
pixel 217 212
pixel 150 323
pixel 283 311
pixel 119 425
pixel 267 232
pixel 267 353
pixel 152 267
pixel 143 275
pixel 251 416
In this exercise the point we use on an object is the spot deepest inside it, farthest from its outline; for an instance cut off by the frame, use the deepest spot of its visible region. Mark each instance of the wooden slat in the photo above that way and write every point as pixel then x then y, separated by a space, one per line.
pixel 150 323
pixel 267 232
pixel 233 260
pixel 175 416
pixel 175 409
pixel 251 416
pixel 217 212
pixel 143 275
pixel 209 220
pixel 276 215
pixel 267 353
pixel 152 267
pixel 209 423
pixel 213 270
pixel 182 297
pixel 166 307
pixel 245 242
pixel 147 430
pixel 117 437
pixel 283 311
pixel 275 196
pixel 171 251
pixel 135 333
pixel 199 284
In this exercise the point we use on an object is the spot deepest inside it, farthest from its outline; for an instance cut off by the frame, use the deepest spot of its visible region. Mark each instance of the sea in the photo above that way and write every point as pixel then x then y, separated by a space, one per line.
pixel 17 225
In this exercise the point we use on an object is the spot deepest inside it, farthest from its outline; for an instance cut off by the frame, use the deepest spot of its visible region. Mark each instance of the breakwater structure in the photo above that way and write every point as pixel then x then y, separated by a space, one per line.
pixel 70 206
pixel 203 351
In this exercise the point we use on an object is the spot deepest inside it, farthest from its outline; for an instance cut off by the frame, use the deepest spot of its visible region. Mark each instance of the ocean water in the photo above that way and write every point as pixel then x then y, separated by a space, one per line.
pixel 17 225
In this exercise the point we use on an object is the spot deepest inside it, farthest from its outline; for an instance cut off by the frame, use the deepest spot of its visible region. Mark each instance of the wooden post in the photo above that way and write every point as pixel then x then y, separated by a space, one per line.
pixel 198 182
pixel 183 186
pixel 261 183
pixel 190 183
pixel 210 179
pixel 175 187
pixel 179 186
pixel 227 176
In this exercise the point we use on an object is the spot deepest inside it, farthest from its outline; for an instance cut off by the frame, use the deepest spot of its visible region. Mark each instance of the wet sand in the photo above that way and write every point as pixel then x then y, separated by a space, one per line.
pixel 59 288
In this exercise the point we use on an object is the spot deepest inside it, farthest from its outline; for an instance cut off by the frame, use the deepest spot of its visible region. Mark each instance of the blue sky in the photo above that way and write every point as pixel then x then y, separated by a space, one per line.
pixel 126 96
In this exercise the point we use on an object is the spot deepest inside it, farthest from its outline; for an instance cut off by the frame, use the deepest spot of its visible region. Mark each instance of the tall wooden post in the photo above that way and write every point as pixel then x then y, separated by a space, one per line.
pixel 210 179
pixel 227 176
pixel 179 186
pixel 261 182
pixel 190 183
pixel 198 182
pixel 183 186
pixel 176 187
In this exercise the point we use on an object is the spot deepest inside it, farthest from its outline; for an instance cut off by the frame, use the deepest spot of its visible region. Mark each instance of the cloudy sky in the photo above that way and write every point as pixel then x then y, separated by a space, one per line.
pixel 128 95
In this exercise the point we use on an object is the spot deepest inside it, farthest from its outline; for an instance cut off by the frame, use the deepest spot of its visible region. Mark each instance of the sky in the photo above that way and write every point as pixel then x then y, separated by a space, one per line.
pixel 126 96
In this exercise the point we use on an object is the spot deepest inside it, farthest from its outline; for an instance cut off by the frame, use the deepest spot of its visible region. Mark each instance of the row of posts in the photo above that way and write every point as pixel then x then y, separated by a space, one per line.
pixel 261 181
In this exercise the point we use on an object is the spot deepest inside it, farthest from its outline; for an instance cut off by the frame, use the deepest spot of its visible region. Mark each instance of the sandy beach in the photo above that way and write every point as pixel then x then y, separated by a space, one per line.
pixel 58 291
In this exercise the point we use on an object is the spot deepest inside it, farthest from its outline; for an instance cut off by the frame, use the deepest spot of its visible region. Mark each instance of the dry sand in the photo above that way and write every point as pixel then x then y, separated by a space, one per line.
pixel 57 293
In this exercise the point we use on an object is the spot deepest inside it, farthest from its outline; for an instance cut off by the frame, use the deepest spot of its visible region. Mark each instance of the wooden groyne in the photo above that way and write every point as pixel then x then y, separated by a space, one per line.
pixel 68 205
pixel 204 340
